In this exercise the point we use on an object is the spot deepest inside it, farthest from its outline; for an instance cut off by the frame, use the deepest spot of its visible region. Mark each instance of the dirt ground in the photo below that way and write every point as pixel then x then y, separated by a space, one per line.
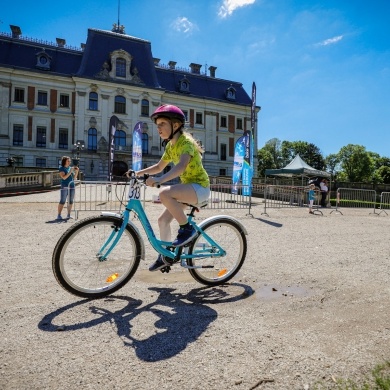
pixel 310 306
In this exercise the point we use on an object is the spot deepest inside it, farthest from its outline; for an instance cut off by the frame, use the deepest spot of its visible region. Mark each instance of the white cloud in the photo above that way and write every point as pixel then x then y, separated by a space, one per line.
pixel 229 6
pixel 330 41
pixel 183 25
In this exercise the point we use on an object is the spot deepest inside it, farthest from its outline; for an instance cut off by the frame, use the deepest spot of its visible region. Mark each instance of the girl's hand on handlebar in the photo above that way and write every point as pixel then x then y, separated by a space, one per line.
pixel 151 181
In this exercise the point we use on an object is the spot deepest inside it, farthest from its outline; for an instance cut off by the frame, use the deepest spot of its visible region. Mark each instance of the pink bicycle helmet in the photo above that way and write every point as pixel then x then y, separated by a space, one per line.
pixel 168 111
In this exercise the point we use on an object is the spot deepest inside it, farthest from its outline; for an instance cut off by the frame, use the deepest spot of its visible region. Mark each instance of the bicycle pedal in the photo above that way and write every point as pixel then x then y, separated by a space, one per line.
pixel 165 269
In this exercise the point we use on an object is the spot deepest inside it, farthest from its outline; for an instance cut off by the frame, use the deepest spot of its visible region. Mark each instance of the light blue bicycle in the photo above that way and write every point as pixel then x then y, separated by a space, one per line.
pixel 99 255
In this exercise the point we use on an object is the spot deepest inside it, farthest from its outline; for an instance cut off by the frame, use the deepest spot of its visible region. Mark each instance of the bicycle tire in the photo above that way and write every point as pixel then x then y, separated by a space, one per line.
pixel 230 236
pixel 77 268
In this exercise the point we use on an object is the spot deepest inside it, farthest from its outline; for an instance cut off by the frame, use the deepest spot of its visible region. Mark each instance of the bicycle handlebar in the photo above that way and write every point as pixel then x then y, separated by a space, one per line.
pixel 143 178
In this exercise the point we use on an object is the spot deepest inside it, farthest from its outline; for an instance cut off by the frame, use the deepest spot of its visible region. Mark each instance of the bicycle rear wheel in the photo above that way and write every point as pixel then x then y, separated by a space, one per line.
pixel 230 236
pixel 76 264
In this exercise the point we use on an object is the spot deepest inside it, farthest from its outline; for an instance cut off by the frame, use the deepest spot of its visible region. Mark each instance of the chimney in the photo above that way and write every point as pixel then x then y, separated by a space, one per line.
pixel 82 45
pixel 156 61
pixel 212 70
pixel 195 68
pixel 16 31
pixel 172 64
pixel 60 42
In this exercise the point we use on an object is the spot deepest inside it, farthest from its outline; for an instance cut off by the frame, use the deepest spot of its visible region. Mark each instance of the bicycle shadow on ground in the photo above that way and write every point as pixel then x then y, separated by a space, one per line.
pixel 156 331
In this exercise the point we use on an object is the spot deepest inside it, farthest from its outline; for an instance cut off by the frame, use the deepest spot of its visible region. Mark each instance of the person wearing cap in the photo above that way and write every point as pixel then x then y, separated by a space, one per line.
pixel 311 197
pixel 186 154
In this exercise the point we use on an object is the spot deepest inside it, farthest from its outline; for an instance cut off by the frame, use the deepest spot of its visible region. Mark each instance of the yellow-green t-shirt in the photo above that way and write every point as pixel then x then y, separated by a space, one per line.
pixel 194 172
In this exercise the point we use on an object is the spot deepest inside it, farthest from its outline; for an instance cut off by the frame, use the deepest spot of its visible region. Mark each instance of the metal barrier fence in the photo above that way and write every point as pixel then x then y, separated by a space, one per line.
pixel 279 196
pixel 112 196
pixel 384 203
pixel 109 196
pixel 355 198
pixel 100 196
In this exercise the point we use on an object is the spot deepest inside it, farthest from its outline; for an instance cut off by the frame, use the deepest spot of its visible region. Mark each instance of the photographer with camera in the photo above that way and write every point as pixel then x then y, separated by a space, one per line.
pixel 68 175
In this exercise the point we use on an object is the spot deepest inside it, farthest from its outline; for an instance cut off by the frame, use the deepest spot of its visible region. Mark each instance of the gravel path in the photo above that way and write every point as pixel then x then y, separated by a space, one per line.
pixel 310 306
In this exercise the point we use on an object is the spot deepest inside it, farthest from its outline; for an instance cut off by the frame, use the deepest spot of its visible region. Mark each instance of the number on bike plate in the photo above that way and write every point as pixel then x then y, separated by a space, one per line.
pixel 134 191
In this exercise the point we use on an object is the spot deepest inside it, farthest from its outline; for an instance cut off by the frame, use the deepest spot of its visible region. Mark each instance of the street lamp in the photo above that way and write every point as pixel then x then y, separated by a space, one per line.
pixel 78 146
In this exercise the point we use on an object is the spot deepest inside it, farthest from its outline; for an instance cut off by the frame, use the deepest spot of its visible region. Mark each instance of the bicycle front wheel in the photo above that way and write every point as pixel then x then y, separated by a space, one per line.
pixel 228 234
pixel 80 270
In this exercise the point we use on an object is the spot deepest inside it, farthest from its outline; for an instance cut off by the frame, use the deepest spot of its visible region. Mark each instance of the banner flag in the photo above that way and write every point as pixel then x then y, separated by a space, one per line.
pixel 111 145
pixel 239 153
pixel 243 154
pixel 247 169
pixel 253 107
pixel 137 147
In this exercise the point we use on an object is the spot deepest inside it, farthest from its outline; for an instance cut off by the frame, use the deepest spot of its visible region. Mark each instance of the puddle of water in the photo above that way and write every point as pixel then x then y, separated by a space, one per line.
pixel 273 291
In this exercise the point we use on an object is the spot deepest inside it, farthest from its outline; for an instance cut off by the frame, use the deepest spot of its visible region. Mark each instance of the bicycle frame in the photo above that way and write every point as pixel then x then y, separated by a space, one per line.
pixel 208 250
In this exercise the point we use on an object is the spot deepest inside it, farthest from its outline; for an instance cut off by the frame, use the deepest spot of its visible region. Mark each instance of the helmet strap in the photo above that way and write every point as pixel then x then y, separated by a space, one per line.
pixel 165 142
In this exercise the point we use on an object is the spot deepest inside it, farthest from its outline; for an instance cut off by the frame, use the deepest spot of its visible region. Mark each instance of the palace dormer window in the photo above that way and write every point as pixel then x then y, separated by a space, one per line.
pixel 43 60
pixel 184 85
pixel 230 93
pixel 120 65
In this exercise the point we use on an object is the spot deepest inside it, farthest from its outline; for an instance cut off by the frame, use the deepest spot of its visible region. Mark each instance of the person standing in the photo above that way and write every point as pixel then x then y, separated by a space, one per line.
pixel 186 154
pixel 324 192
pixel 68 175
pixel 311 197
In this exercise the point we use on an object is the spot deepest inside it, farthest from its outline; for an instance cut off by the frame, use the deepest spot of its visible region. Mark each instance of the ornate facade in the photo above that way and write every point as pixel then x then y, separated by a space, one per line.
pixel 53 97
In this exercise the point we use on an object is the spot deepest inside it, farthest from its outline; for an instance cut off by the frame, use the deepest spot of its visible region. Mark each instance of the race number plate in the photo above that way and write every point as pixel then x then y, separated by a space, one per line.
pixel 134 190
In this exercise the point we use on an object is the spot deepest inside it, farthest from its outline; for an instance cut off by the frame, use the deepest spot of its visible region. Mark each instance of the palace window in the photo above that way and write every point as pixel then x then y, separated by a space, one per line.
pixel 119 139
pixel 120 105
pixel 42 98
pixel 63 139
pixel 18 135
pixel 41 137
pixel 40 162
pixel 223 152
pixel 145 107
pixel 120 67
pixel 64 101
pixel 19 95
pixel 92 139
pixel 93 101
pixel 223 121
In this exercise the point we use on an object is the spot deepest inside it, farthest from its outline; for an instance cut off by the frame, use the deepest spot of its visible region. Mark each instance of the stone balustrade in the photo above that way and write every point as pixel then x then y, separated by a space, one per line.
pixel 44 179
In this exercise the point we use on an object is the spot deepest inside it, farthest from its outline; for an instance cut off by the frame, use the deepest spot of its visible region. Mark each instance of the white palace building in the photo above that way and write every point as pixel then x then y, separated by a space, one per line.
pixel 53 97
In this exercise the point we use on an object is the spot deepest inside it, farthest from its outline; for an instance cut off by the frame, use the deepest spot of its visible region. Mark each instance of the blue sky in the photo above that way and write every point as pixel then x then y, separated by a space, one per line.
pixel 321 67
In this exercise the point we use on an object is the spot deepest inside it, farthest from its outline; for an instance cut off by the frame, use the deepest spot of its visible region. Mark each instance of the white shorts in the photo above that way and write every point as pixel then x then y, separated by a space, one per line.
pixel 202 193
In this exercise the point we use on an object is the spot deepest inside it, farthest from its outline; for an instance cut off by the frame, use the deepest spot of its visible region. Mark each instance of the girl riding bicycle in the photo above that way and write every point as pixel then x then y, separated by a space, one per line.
pixel 186 154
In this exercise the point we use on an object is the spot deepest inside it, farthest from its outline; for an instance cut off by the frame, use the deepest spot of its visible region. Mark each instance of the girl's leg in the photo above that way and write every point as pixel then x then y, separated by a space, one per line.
pixel 172 196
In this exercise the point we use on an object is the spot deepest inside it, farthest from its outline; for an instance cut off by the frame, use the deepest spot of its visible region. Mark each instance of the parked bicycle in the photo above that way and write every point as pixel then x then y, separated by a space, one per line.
pixel 99 255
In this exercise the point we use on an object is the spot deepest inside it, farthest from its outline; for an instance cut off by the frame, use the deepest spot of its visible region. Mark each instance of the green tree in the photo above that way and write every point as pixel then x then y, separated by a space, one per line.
pixel 308 152
pixel 356 163
pixel 332 163
pixel 269 156
pixel 383 174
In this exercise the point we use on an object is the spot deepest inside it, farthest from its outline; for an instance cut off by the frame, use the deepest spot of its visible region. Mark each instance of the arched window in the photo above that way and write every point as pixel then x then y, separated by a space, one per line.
pixel 145 107
pixel 119 139
pixel 145 143
pixel 120 105
pixel 120 67
pixel 92 139
pixel 93 101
